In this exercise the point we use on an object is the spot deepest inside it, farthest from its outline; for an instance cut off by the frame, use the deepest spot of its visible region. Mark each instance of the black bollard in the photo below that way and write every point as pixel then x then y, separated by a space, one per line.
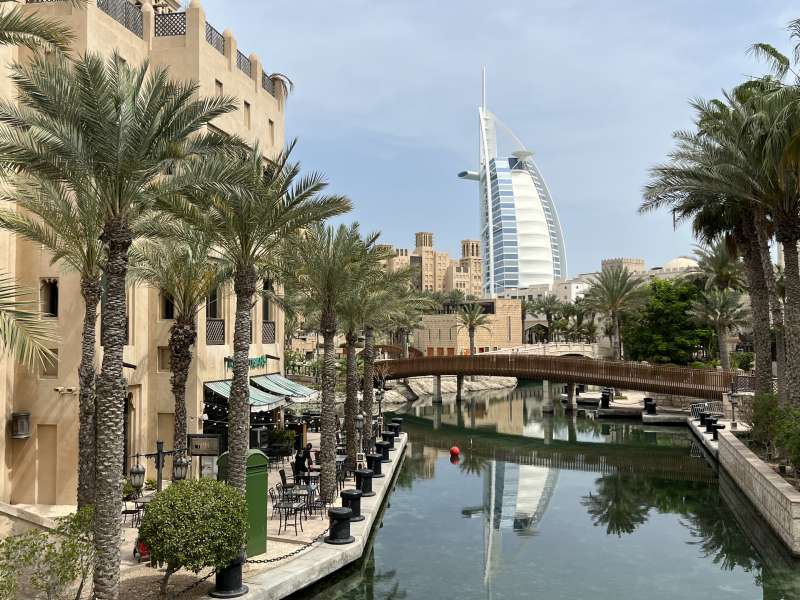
pixel 649 406
pixel 229 580
pixel 383 448
pixel 703 416
pixel 399 422
pixel 364 482
pixel 374 464
pixel 710 422
pixel 395 429
pixel 339 526
pixel 352 499
pixel 716 431
pixel 388 436
pixel 605 399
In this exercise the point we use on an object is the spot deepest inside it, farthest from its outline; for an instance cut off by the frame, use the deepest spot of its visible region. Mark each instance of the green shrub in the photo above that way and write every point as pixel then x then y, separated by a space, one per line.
pixel 742 360
pixel 49 561
pixel 766 419
pixel 194 524
pixel 788 435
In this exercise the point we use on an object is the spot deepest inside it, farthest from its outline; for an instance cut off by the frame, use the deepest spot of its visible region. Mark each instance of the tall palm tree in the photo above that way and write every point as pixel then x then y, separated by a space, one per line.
pixel 324 263
pixel 261 202
pixel 613 290
pixel 177 261
pixel 67 221
pixel 714 178
pixel 19 27
pixel 120 128
pixel 723 310
pixel 471 317
pixel 548 305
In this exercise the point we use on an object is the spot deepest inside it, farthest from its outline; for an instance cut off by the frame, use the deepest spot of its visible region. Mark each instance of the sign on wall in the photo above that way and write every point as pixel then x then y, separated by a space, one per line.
pixel 257 362
pixel 203 444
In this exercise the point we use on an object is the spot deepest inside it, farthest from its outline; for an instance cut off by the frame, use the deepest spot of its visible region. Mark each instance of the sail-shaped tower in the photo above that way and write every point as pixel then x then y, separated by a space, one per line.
pixel 522 242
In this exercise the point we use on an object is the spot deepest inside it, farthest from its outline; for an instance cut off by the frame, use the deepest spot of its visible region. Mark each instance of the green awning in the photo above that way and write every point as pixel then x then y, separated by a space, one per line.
pixel 260 401
pixel 277 384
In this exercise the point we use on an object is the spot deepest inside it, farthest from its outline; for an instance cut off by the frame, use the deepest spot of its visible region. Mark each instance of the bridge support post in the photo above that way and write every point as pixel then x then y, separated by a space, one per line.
pixel 437 389
pixel 571 404
pixel 459 385
pixel 437 415
pixel 547 403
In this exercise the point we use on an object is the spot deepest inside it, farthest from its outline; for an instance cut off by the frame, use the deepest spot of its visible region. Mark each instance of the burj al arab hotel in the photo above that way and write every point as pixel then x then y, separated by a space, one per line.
pixel 522 242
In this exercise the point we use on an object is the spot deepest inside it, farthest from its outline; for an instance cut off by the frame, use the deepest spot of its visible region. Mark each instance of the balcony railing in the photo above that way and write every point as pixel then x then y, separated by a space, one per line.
pixel 215 38
pixel 267 83
pixel 267 332
pixel 122 11
pixel 243 62
pixel 168 24
pixel 215 332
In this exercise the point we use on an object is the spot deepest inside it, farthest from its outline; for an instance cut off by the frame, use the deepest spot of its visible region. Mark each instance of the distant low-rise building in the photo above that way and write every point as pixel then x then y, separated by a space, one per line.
pixel 441 334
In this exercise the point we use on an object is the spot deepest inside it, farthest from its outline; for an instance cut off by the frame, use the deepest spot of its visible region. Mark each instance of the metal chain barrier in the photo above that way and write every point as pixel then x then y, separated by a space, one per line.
pixel 305 546
pixel 263 561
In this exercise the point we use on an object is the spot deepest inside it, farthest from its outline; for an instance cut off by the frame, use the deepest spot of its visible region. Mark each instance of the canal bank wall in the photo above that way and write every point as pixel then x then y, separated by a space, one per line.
pixel 774 498
pixel 321 559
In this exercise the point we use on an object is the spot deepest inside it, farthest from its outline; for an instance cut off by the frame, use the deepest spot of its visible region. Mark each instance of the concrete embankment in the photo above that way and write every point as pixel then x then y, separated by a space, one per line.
pixel 321 559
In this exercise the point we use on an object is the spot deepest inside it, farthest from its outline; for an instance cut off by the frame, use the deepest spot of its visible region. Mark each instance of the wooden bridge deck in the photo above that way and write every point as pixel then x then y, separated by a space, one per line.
pixel 708 384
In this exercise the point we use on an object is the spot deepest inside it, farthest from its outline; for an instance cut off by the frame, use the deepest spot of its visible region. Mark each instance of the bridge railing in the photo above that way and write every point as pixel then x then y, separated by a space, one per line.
pixel 699 383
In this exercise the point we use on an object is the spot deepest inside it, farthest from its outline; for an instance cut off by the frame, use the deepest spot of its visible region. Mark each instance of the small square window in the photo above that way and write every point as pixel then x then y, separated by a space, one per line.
pixel 247 114
pixel 49 370
pixel 271 132
pixel 164 357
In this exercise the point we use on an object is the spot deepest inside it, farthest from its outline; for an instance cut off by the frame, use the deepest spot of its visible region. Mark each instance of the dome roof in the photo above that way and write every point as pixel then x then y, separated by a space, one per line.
pixel 680 262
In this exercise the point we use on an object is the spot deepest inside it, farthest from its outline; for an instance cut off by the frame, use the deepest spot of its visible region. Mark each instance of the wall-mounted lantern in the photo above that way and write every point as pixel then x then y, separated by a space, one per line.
pixel 21 425
pixel 180 468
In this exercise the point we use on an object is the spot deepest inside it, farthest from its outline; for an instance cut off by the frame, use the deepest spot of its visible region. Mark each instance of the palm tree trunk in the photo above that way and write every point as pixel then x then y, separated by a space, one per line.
pixel 472 341
pixel 244 287
pixel 112 391
pixel 759 303
pixel 351 398
pixel 617 340
pixel 791 277
pixel 776 307
pixel 724 355
pixel 327 446
pixel 90 290
pixel 182 337
pixel 369 374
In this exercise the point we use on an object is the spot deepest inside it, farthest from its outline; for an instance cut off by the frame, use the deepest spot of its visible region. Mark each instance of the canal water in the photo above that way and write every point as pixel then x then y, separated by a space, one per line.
pixel 557 506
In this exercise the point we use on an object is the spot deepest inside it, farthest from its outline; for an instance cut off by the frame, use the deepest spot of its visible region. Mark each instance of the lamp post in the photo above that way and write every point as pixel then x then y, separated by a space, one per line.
pixel 180 468
pixel 137 478
pixel 360 429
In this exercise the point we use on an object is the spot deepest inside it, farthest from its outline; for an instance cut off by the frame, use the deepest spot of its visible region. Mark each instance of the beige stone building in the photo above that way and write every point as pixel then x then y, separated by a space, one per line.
pixel 634 265
pixel 42 468
pixel 436 271
pixel 441 335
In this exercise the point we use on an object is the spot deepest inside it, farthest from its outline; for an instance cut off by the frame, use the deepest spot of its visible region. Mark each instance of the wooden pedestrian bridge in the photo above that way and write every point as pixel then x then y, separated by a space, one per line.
pixel 707 384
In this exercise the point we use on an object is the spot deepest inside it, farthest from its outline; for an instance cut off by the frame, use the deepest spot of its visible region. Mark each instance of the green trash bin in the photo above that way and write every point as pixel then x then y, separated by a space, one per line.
pixel 255 497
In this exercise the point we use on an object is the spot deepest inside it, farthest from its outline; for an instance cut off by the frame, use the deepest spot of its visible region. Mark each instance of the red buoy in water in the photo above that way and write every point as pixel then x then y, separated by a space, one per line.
pixel 455 459
pixel 454 451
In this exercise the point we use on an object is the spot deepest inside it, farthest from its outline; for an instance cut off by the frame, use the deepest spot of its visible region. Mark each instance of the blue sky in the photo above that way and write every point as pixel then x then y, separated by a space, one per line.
pixel 386 97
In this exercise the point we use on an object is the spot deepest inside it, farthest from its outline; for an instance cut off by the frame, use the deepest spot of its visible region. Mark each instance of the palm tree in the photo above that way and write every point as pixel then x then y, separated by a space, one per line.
pixel 613 290
pixel 723 310
pixel 32 30
pixel 323 264
pixel 177 262
pixel 120 128
pixel 548 305
pixel 715 178
pixel 471 317
pixel 719 266
pixel 68 222
pixel 262 202
pixel 23 334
